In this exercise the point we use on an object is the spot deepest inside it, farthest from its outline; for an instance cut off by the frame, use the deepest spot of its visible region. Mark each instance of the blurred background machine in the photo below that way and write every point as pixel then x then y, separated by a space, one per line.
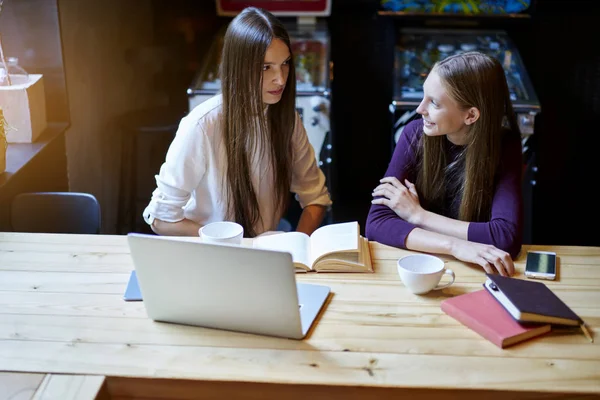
pixel 419 49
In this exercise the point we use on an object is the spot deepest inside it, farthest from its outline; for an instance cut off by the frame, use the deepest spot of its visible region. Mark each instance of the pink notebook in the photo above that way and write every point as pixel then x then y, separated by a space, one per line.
pixel 480 312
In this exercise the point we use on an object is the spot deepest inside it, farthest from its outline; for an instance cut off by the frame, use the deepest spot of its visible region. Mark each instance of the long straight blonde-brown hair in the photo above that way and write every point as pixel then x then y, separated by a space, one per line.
pixel 471 79
pixel 246 127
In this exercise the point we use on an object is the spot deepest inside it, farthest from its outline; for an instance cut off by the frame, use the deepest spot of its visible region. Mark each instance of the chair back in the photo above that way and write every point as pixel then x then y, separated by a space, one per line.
pixel 56 212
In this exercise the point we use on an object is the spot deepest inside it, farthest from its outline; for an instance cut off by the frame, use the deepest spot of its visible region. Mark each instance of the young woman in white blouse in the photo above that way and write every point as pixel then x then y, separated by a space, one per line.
pixel 239 155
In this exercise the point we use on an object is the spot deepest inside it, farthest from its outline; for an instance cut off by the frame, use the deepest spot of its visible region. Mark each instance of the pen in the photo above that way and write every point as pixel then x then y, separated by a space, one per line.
pixel 586 333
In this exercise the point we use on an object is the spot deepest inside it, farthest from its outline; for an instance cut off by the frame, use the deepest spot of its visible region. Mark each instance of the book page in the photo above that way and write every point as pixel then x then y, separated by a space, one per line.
pixel 347 261
pixel 334 237
pixel 365 255
pixel 295 243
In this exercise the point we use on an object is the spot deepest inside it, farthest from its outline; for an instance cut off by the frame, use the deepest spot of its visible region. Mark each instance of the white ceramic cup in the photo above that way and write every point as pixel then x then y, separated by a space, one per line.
pixel 222 232
pixel 422 273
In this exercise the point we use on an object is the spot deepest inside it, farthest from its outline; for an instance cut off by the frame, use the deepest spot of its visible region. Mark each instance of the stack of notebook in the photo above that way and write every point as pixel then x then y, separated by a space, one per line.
pixel 509 310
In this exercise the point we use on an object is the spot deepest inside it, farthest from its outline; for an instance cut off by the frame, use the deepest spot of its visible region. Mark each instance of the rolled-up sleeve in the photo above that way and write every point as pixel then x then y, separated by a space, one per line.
pixel 308 181
pixel 180 174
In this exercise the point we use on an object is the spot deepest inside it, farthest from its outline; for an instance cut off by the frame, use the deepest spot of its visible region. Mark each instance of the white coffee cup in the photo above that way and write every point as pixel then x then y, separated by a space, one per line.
pixel 222 232
pixel 422 273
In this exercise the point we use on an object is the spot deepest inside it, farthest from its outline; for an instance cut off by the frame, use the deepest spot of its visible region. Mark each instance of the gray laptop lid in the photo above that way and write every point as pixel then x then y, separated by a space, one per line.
pixel 224 287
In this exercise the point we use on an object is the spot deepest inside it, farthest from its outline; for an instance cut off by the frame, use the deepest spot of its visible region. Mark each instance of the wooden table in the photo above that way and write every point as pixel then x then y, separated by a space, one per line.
pixel 63 318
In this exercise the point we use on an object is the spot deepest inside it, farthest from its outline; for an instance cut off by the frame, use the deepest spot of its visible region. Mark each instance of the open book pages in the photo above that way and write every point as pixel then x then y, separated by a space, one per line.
pixel 332 248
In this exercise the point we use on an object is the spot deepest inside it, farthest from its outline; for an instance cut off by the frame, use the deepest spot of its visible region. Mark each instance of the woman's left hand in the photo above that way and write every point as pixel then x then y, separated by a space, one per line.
pixel 402 199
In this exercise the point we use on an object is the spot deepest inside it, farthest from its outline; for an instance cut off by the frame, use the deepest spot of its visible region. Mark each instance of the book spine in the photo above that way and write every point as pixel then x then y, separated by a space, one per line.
pixel 473 324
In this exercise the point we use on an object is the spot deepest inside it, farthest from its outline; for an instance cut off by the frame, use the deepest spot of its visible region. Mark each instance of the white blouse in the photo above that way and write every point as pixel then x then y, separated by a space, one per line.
pixel 191 182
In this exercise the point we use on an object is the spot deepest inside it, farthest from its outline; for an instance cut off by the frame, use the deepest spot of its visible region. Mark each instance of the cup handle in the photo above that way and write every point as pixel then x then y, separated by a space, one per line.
pixel 446 272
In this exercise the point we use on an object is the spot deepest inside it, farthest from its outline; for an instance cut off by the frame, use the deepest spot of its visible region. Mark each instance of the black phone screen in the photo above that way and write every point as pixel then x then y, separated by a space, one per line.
pixel 542 263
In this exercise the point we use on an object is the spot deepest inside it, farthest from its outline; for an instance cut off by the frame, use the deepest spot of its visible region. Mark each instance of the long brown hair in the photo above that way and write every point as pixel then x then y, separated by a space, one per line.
pixel 471 79
pixel 246 127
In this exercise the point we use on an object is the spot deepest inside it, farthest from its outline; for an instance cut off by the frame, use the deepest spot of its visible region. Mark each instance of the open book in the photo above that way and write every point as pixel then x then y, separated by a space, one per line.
pixel 331 248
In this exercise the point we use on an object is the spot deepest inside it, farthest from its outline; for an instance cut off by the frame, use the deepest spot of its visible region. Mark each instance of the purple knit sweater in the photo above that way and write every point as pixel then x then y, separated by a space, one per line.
pixel 504 230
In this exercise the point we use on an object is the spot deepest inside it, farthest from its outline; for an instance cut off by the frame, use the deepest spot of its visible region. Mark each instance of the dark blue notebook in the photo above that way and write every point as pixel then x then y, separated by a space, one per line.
pixel 132 292
pixel 529 301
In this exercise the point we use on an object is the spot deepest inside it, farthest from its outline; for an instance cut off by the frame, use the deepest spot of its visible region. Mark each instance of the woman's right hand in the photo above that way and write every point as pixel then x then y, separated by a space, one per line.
pixel 487 256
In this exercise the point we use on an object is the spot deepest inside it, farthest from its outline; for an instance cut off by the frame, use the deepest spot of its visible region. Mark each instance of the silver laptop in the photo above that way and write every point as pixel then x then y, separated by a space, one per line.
pixel 223 286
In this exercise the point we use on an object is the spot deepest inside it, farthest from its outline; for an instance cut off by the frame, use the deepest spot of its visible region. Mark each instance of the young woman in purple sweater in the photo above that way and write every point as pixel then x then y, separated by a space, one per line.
pixel 453 185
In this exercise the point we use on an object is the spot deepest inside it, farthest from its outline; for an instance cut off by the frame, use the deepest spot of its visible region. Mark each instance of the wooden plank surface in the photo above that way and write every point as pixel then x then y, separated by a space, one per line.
pixel 19 386
pixel 62 312
pixel 159 389
pixel 308 367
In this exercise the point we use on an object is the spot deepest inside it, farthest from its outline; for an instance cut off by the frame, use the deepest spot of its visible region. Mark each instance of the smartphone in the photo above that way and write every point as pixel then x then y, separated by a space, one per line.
pixel 541 265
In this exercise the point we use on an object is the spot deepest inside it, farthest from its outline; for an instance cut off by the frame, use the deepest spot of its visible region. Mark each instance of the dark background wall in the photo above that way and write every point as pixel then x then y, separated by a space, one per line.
pixel 565 69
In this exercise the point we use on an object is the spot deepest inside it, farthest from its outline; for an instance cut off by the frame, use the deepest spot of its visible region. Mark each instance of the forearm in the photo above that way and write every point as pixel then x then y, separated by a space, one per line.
pixel 311 218
pixel 433 222
pixel 429 242
pixel 184 227
pixel 488 257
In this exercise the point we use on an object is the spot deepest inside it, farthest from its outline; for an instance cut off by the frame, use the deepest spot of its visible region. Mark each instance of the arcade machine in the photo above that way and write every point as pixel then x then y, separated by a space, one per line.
pixel 311 48
pixel 417 49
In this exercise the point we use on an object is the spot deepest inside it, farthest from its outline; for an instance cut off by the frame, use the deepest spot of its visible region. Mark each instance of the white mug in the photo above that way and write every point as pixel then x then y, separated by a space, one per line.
pixel 222 232
pixel 421 273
